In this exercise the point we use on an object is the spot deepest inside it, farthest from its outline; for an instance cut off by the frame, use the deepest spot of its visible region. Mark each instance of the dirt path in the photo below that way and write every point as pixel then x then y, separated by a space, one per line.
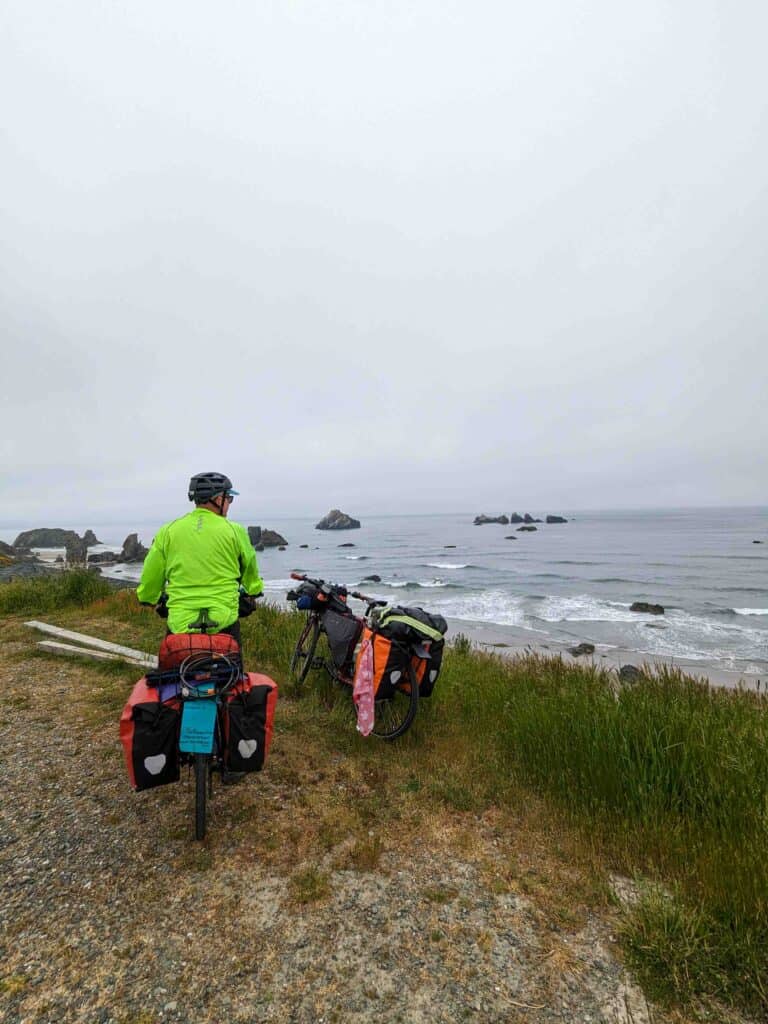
pixel 304 905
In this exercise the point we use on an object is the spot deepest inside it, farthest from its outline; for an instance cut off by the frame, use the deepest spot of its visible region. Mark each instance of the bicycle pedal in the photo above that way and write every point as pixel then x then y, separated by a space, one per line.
pixel 232 778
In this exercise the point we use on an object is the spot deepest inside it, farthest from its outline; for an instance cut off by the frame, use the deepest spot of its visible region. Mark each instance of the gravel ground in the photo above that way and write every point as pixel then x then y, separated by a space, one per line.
pixel 112 914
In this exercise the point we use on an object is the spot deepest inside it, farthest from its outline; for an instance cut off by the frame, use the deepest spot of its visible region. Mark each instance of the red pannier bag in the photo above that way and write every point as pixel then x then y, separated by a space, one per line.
pixel 149 732
pixel 177 647
pixel 249 713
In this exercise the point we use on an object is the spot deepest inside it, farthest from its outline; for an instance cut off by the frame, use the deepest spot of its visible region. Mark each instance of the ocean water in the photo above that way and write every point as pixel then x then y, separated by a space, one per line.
pixel 564 583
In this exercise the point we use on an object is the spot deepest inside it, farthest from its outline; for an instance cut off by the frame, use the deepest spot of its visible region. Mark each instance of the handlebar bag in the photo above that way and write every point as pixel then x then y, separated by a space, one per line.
pixel 343 632
pixel 149 732
pixel 249 713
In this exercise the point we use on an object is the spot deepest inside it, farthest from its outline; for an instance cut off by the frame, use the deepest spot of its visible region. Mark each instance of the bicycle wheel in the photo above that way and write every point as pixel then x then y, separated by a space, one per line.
pixel 304 651
pixel 393 715
pixel 202 775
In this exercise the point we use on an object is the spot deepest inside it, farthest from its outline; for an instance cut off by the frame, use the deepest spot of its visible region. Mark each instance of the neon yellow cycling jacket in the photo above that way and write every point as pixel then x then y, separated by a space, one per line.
pixel 200 561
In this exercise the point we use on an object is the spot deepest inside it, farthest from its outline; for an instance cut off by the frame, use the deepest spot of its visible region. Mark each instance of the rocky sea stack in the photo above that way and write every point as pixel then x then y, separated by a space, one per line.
pixel 52 537
pixel 338 520
pixel 483 519
pixel 133 549
pixel 261 538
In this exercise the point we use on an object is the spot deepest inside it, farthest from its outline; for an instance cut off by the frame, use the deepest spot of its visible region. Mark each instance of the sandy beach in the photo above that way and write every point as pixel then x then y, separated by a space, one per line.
pixel 510 642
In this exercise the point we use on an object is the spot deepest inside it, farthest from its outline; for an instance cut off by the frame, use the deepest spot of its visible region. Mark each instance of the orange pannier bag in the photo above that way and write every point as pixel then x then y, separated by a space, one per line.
pixel 390 664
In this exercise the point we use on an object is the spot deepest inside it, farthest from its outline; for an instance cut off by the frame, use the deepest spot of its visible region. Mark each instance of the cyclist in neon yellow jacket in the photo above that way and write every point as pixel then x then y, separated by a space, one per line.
pixel 205 564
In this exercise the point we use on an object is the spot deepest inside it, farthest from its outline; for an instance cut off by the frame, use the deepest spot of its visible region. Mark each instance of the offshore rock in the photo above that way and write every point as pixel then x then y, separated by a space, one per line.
pixel 528 518
pixel 556 519
pixel 45 537
pixel 527 529
pixel 510 536
pixel 262 538
pixel 90 538
pixel 337 520
pixel 483 519
pixel 515 518
pixel 133 549
pixel 648 609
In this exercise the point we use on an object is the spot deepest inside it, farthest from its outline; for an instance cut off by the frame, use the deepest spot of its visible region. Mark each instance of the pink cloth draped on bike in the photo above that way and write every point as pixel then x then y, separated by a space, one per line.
pixel 362 689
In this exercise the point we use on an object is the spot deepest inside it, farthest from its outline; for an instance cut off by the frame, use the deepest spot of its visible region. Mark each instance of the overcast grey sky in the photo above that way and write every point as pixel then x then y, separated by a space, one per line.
pixel 382 255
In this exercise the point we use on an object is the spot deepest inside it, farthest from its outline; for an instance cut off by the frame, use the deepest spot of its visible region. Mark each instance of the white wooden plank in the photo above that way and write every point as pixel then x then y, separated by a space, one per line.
pixel 150 660
pixel 70 651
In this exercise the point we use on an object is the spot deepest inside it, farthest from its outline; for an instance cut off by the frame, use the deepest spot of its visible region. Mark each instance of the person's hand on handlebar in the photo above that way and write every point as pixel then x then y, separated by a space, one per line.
pixel 246 604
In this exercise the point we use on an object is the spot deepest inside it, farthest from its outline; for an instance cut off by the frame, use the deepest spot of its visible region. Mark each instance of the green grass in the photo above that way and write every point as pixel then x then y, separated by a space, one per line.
pixel 665 779
pixel 76 587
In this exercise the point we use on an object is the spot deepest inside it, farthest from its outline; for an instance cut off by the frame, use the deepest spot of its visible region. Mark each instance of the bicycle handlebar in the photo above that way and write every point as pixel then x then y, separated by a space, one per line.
pixel 371 602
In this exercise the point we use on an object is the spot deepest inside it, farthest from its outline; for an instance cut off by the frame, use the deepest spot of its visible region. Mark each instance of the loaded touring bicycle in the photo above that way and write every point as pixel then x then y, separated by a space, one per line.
pixel 201 711
pixel 405 646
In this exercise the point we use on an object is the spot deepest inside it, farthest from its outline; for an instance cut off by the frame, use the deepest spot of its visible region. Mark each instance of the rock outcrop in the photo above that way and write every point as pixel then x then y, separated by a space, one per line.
pixel 337 520
pixel 510 536
pixel 481 520
pixel 515 518
pixel 556 519
pixel 262 538
pixel 102 558
pixel 90 538
pixel 527 529
pixel 77 550
pixel 528 518
pixel 630 674
pixel 373 578
pixel 648 609
pixel 133 549
pixel 580 649
pixel 45 537
pixel 6 549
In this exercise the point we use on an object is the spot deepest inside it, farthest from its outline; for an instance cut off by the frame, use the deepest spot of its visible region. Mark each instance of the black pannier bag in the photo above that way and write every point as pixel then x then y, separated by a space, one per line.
pixel 415 626
pixel 343 632
pixel 432 668
pixel 155 748
pixel 248 717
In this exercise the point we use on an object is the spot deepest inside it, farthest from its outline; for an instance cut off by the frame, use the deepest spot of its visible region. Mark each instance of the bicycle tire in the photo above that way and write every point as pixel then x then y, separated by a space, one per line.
pixel 394 715
pixel 202 772
pixel 304 652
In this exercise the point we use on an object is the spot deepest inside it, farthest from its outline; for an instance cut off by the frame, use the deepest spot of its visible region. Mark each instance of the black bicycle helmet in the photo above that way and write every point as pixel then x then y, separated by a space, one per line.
pixel 204 486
